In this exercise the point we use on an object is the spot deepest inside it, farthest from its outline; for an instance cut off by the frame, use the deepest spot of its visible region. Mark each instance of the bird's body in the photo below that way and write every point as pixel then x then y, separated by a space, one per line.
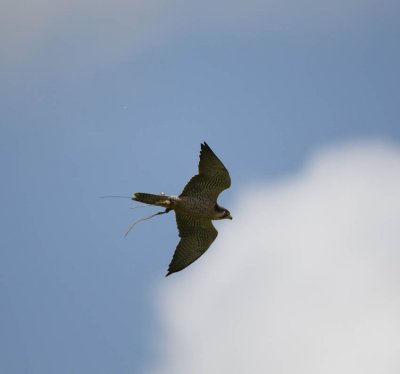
pixel 195 207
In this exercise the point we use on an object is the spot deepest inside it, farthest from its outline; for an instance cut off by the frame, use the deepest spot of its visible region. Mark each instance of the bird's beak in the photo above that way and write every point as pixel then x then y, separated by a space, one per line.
pixel 229 217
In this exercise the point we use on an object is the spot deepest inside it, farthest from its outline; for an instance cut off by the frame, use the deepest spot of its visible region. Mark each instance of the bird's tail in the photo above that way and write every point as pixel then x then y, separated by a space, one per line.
pixel 148 198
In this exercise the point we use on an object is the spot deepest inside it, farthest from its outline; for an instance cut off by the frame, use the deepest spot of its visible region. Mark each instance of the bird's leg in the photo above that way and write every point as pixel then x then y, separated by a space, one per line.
pixel 164 203
pixel 145 219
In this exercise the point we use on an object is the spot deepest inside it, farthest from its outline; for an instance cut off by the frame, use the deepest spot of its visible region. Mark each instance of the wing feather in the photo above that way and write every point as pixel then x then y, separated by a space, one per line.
pixel 212 179
pixel 196 237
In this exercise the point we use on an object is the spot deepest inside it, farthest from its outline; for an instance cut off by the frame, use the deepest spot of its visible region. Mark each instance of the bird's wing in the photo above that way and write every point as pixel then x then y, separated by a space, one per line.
pixel 212 179
pixel 196 237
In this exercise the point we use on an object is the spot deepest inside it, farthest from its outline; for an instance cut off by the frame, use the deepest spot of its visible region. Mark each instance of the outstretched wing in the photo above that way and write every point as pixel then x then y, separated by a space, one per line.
pixel 212 179
pixel 196 237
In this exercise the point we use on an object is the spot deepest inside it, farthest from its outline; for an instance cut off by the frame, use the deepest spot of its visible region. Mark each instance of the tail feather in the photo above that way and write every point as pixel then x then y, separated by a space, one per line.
pixel 148 198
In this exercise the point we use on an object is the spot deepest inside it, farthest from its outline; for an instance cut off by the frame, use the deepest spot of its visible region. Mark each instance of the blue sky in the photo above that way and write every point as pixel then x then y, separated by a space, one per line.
pixel 117 99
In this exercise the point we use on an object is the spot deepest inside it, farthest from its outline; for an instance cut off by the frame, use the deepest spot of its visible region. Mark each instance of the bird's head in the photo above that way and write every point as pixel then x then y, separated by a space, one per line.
pixel 222 213
pixel 227 214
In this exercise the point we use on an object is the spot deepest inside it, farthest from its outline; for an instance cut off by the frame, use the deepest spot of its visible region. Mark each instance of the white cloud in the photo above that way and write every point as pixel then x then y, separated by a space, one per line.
pixel 305 279
pixel 113 29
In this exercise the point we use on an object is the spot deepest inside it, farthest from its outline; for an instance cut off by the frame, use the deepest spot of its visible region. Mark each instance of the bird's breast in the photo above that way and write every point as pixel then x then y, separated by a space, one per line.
pixel 195 206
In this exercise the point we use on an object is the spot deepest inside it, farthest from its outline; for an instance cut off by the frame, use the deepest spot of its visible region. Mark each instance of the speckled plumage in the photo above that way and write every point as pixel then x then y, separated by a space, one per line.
pixel 194 208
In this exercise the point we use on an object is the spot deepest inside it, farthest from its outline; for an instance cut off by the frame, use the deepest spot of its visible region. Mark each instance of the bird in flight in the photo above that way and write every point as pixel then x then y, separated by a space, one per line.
pixel 194 209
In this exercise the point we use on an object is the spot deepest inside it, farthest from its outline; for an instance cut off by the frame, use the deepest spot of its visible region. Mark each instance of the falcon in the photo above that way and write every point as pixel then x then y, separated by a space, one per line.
pixel 194 208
